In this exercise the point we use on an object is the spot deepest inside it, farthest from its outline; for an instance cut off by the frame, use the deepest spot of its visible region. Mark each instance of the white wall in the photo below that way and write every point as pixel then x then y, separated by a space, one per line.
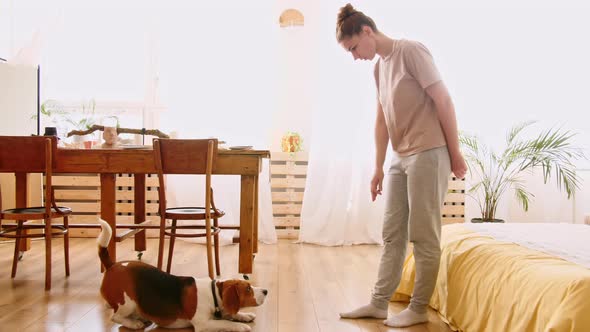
pixel 18 101
pixel 5 28
pixel 550 204
pixel 503 63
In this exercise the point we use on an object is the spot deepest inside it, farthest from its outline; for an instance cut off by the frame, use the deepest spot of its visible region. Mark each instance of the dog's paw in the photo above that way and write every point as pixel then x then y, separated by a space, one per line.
pixel 244 317
pixel 134 324
pixel 239 327
pixel 146 322
pixel 221 325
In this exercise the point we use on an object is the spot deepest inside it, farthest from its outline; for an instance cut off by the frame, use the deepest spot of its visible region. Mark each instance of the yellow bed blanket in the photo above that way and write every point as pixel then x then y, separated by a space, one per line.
pixel 487 285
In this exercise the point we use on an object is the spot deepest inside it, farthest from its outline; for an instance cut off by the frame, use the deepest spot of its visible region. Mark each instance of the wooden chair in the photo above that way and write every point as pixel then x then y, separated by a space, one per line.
pixel 188 156
pixel 22 155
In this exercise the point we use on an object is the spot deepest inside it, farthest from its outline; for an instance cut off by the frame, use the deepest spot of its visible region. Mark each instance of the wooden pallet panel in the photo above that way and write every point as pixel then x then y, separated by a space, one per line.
pixel 289 182
pixel 288 176
pixel 121 220
pixel 286 197
pixel 453 210
pixel 81 192
pixel 288 169
pixel 288 233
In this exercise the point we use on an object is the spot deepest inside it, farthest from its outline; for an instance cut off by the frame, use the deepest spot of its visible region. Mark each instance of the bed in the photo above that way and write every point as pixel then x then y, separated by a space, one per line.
pixel 511 277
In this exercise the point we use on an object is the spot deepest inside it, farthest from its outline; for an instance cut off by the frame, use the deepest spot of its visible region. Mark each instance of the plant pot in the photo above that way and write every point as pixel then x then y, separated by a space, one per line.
pixel 480 220
pixel 82 141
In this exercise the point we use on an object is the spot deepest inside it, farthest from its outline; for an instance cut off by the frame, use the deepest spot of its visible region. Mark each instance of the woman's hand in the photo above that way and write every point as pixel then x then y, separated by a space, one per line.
pixel 458 166
pixel 377 183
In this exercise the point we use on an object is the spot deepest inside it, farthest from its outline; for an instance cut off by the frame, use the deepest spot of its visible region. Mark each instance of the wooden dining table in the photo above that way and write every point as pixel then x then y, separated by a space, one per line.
pixel 139 162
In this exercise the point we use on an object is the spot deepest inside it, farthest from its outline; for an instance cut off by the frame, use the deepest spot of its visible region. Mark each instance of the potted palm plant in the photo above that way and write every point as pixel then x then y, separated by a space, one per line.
pixel 551 151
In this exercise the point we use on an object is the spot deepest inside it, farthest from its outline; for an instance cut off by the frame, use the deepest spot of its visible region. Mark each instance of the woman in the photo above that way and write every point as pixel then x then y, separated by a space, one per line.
pixel 415 113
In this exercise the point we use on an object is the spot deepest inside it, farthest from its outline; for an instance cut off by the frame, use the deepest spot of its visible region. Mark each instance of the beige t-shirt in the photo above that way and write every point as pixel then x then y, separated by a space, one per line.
pixel 409 111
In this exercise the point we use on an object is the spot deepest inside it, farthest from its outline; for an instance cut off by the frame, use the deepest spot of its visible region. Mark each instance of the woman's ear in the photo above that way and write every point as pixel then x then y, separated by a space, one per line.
pixel 231 299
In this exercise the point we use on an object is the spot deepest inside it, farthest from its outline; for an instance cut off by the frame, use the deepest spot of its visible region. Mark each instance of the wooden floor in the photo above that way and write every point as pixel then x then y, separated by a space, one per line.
pixel 308 286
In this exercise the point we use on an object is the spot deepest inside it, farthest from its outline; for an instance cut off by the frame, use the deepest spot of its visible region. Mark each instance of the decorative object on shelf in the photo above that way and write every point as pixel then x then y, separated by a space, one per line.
pixel 142 131
pixel 551 151
pixel 110 136
pixel 291 18
pixel 50 131
pixel 291 142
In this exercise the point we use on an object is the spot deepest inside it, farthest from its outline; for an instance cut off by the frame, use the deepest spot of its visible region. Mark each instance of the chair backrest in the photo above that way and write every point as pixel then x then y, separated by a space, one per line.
pixel 26 154
pixel 185 156
pixel 29 154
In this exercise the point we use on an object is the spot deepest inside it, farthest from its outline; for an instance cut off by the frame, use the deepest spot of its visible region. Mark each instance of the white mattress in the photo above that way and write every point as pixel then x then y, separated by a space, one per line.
pixel 568 241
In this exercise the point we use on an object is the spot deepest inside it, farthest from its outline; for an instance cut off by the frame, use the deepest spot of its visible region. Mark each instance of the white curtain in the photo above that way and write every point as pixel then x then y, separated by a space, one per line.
pixel 337 208
pixel 503 63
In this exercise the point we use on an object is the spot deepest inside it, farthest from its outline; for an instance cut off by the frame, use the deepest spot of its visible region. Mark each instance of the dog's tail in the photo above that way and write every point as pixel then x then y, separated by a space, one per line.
pixel 103 241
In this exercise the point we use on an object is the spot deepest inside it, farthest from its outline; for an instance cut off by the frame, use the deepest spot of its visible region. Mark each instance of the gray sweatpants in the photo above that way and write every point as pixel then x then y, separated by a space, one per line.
pixel 415 190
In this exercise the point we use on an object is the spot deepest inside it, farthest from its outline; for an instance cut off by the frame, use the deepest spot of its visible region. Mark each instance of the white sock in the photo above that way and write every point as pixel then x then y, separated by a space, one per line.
pixel 406 318
pixel 365 311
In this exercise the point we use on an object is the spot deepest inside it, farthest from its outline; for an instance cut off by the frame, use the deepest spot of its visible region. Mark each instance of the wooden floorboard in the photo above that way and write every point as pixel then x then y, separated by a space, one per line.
pixel 308 286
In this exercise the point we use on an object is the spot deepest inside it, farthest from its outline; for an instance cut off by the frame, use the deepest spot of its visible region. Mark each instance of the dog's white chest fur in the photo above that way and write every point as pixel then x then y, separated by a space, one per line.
pixel 205 302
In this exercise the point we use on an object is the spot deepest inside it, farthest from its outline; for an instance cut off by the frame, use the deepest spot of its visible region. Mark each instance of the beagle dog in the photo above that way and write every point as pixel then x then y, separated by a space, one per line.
pixel 140 293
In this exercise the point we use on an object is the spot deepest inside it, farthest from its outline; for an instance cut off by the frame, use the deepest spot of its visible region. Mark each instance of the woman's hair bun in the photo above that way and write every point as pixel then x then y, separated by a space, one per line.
pixel 346 12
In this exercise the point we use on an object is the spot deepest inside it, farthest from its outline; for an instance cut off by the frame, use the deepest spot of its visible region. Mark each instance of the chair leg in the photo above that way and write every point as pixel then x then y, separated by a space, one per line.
pixel 216 245
pixel 67 246
pixel 209 252
pixel 16 247
pixel 171 246
pixel 48 254
pixel 161 242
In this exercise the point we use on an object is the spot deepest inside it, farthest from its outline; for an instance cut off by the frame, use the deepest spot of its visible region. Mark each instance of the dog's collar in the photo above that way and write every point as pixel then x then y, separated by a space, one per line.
pixel 217 309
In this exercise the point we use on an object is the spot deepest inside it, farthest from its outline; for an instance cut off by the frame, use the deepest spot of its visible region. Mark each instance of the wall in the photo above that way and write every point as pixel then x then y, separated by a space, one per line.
pixel 18 101
pixel 5 28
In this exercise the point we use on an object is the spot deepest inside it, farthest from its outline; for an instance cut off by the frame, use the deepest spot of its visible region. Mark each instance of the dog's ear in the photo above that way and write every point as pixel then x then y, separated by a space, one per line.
pixel 230 298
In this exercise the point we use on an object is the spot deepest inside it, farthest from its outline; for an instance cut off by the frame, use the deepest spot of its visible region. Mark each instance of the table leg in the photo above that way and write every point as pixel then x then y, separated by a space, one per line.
pixel 246 223
pixel 139 209
pixel 255 223
pixel 21 202
pixel 107 208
